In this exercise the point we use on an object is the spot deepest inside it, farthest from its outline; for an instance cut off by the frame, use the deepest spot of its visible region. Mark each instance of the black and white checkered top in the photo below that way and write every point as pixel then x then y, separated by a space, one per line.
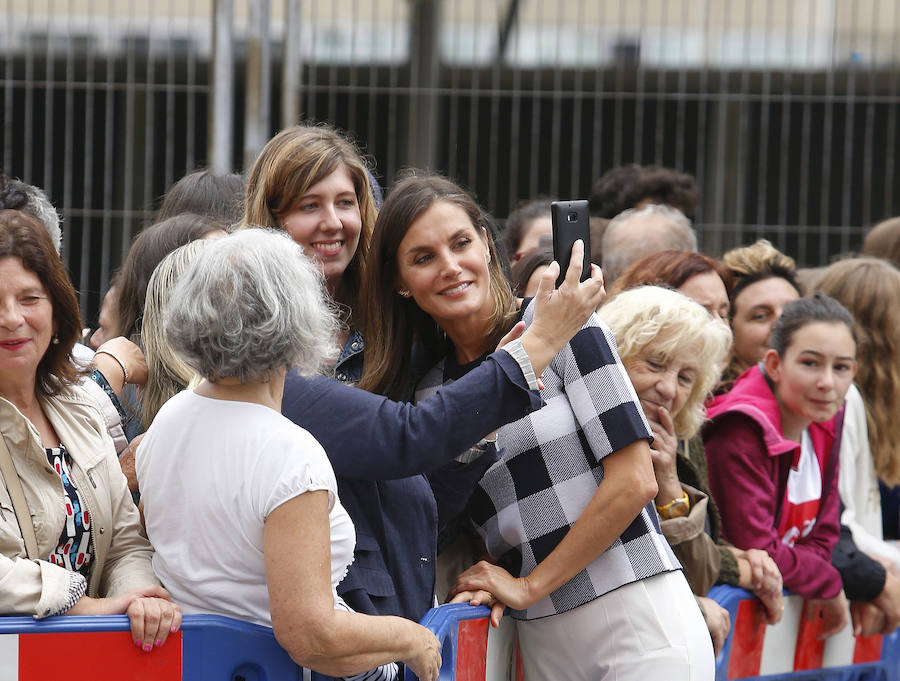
pixel 551 465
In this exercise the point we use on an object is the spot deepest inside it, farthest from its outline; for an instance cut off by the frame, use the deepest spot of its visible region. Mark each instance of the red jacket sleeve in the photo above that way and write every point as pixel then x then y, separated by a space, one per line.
pixel 744 480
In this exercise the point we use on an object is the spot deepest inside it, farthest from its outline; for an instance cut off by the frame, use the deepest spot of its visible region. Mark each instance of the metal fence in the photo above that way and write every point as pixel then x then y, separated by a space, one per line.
pixel 785 112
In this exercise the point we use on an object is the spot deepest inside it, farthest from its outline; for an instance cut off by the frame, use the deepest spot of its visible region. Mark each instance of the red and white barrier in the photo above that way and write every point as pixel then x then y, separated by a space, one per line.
pixel 791 645
pixel 788 651
pixel 81 656
pixel 99 648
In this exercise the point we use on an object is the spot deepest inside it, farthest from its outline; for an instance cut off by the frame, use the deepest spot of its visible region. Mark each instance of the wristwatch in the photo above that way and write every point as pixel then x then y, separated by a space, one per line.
pixel 676 508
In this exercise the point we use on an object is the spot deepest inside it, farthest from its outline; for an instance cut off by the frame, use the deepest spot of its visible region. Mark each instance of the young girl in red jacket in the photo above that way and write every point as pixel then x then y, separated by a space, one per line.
pixel 771 448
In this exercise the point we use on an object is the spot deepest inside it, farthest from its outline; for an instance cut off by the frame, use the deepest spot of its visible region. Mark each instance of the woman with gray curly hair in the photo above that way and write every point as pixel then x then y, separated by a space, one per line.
pixel 248 308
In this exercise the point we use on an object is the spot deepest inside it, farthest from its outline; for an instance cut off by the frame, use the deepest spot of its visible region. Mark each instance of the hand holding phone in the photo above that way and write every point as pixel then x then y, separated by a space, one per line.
pixel 571 221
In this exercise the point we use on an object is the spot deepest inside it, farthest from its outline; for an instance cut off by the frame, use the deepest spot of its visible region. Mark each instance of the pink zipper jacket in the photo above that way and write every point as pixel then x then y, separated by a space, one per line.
pixel 749 460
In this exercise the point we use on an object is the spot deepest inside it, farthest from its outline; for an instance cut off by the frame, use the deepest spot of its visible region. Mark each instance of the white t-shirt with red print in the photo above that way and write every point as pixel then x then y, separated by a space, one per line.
pixel 800 507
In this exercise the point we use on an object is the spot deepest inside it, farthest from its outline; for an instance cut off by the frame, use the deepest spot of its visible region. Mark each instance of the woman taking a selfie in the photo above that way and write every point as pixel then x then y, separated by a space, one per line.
pixel 567 507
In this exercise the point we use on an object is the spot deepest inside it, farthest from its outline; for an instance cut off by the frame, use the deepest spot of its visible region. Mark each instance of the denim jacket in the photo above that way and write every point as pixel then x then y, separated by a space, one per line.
pixel 349 366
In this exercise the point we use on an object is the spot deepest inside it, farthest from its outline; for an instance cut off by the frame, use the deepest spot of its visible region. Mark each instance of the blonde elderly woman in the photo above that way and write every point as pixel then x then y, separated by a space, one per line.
pixel 673 351
pixel 70 541
pixel 248 308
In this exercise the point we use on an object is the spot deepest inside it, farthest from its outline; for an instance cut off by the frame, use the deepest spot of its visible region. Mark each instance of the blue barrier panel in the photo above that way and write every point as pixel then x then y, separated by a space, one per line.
pixel 471 649
pixel 207 648
pixel 790 651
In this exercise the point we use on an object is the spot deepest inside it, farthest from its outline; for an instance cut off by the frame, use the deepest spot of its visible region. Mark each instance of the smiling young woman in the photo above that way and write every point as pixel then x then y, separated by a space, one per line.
pixel 771 450
pixel 312 182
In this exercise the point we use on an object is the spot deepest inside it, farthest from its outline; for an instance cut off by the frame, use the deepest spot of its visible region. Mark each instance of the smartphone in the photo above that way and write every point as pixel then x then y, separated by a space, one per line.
pixel 571 221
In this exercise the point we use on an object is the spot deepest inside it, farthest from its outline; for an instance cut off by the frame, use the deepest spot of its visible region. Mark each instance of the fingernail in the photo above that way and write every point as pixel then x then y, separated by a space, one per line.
pixel 137 643
pixel 147 647
pixel 174 629
pixel 157 643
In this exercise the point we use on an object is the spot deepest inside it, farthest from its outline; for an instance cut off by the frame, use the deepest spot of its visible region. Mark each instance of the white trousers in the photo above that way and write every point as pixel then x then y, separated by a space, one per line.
pixel 651 629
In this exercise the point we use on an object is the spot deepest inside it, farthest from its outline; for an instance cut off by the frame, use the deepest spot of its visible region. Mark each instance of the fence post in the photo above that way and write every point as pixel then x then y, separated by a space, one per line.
pixel 292 57
pixel 424 61
pixel 221 118
pixel 257 107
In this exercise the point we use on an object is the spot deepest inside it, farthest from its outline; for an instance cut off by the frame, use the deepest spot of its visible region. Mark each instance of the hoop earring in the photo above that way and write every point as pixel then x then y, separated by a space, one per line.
pixel 404 292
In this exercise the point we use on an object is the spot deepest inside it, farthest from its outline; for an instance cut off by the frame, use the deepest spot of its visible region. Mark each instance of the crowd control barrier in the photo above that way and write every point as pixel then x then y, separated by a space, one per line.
pixel 214 648
pixel 472 650
pixel 207 648
pixel 788 651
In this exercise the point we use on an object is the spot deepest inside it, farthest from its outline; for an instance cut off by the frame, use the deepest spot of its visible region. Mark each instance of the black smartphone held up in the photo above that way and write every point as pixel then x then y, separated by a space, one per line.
pixel 571 221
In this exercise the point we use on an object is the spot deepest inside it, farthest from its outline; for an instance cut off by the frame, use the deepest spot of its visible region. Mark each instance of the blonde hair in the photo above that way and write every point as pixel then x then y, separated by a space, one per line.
pixel 168 373
pixel 748 265
pixel 759 261
pixel 292 162
pixel 670 322
pixel 870 289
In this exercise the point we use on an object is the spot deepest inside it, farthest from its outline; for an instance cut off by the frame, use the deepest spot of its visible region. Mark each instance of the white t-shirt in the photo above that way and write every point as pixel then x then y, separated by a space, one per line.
pixel 210 472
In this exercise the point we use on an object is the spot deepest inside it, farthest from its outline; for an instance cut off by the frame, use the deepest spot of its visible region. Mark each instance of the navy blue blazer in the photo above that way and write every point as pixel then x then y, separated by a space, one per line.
pixel 380 451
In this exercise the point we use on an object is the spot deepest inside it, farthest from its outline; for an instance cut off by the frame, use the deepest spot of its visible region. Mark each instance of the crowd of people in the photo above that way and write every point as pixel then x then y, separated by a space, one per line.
pixel 368 404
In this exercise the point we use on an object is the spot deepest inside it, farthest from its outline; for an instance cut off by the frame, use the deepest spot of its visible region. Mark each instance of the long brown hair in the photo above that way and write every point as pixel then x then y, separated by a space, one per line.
pixel 292 162
pixel 394 322
pixel 23 237
pixel 870 289
pixel 146 251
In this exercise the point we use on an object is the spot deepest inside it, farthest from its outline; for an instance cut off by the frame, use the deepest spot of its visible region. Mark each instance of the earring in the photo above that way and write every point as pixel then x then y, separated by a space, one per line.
pixel 404 292
pixel 55 340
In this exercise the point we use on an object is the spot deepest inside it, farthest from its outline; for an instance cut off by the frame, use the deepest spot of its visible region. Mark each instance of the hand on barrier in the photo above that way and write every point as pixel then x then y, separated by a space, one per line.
pixel 425 655
pixel 867 618
pixel 888 602
pixel 761 575
pixel 718 621
pixel 835 613
pixel 482 597
pixel 514 591
pixel 151 612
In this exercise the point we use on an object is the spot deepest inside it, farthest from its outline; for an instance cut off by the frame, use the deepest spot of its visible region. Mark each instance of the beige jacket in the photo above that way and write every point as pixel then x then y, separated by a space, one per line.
pixel 121 552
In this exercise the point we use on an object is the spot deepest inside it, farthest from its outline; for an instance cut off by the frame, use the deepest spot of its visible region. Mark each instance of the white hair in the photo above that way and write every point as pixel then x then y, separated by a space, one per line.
pixel 670 322
pixel 250 304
